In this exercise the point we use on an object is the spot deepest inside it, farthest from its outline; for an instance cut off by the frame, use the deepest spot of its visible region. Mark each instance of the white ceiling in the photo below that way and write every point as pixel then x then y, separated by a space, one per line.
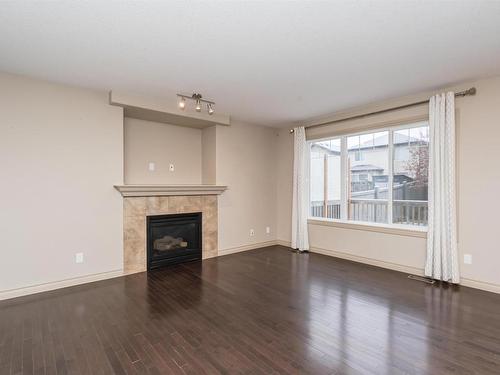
pixel 268 62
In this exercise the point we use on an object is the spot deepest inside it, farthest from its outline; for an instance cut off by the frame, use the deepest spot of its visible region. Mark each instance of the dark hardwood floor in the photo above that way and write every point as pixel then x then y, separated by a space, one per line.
pixel 258 312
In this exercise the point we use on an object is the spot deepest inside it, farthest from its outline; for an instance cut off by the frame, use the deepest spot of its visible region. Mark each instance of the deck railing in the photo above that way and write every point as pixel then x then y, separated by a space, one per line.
pixel 372 210
pixel 375 210
pixel 332 209
pixel 410 212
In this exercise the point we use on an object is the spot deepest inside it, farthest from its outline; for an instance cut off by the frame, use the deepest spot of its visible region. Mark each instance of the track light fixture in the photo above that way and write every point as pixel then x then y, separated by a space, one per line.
pixel 199 100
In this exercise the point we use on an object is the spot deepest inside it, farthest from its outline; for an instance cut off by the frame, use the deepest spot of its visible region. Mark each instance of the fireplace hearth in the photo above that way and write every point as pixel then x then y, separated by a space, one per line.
pixel 173 239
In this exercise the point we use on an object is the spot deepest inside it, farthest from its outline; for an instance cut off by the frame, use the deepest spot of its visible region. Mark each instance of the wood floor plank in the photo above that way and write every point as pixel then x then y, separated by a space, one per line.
pixel 265 311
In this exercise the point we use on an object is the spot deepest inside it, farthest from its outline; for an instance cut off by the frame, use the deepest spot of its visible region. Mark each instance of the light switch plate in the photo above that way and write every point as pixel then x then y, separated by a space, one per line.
pixel 151 166
pixel 171 167
pixel 467 259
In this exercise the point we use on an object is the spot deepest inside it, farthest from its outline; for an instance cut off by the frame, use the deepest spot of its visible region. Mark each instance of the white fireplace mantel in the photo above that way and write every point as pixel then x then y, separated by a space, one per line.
pixel 166 190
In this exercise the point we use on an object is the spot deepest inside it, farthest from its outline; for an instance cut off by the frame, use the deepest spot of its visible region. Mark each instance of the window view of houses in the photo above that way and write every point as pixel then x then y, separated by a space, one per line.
pixel 368 161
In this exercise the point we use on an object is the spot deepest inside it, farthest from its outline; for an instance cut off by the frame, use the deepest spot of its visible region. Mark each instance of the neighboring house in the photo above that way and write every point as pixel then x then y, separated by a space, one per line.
pixel 362 176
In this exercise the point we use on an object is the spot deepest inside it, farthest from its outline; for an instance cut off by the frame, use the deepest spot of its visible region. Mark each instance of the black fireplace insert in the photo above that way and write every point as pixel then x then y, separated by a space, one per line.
pixel 173 239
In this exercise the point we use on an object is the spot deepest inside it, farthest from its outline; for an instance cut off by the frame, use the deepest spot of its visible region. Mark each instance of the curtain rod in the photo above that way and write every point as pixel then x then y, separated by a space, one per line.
pixel 471 91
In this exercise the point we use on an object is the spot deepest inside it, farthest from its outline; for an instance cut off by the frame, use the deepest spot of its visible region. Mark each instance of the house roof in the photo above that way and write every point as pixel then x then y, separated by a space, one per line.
pixel 383 141
pixel 365 167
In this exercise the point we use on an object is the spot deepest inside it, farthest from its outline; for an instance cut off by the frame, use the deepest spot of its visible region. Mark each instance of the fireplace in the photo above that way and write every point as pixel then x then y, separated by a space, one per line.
pixel 173 239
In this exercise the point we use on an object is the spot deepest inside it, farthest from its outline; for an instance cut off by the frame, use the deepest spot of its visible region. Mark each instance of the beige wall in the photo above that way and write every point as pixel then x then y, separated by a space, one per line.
pixel 284 174
pixel 147 141
pixel 478 150
pixel 209 155
pixel 246 163
pixel 478 155
pixel 61 151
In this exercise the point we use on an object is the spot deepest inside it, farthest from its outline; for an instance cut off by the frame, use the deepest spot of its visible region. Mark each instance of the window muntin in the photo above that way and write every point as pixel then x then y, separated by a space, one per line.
pixel 376 177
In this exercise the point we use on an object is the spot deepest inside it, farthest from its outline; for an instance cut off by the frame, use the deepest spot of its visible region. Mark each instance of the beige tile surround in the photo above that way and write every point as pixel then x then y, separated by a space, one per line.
pixel 136 209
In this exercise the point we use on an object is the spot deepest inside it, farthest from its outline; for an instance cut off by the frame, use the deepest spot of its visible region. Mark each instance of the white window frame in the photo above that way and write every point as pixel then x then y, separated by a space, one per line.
pixel 356 224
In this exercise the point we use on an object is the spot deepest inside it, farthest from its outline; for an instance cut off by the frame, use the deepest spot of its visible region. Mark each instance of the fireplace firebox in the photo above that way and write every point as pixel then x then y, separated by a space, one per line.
pixel 173 239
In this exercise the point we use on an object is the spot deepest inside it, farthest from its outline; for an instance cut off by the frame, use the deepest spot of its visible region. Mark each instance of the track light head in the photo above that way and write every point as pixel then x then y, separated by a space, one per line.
pixel 182 103
pixel 210 109
pixel 197 97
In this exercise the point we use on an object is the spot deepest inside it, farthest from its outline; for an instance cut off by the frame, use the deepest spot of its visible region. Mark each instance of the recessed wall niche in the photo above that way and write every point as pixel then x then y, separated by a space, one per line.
pixel 158 153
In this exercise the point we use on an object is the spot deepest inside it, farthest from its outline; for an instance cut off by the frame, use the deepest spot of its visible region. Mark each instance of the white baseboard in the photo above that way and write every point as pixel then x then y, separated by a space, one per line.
pixel 370 261
pixel 253 246
pixel 19 292
pixel 489 287
pixel 284 243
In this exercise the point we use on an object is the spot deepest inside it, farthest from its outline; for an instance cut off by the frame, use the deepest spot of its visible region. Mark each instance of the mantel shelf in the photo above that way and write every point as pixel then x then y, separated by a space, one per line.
pixel 165 190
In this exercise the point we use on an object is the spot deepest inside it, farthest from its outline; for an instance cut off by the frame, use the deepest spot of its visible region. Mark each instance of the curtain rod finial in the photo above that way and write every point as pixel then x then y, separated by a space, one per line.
pixel 471 91
pixel 292 131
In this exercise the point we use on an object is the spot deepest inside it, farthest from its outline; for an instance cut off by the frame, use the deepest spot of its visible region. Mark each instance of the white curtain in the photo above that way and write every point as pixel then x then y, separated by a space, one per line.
pixel 300 204
pixel 442 253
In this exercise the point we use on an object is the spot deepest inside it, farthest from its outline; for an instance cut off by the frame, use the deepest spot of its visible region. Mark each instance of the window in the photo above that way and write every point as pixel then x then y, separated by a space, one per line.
pixel 377 177
pixel 410 176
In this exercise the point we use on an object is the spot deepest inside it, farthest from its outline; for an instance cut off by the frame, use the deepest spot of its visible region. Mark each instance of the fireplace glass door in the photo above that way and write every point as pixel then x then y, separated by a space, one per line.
pixel 173 239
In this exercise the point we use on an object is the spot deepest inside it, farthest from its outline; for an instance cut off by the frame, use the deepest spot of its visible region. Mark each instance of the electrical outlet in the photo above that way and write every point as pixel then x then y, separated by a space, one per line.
pixel 171 167
pixel 252 232
pixel 151 166
pixel 467 259
pixel 79 258
pixel 268 230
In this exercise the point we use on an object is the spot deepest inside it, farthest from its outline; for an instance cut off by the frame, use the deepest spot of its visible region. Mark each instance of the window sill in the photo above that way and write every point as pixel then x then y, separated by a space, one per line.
pixel 399 230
